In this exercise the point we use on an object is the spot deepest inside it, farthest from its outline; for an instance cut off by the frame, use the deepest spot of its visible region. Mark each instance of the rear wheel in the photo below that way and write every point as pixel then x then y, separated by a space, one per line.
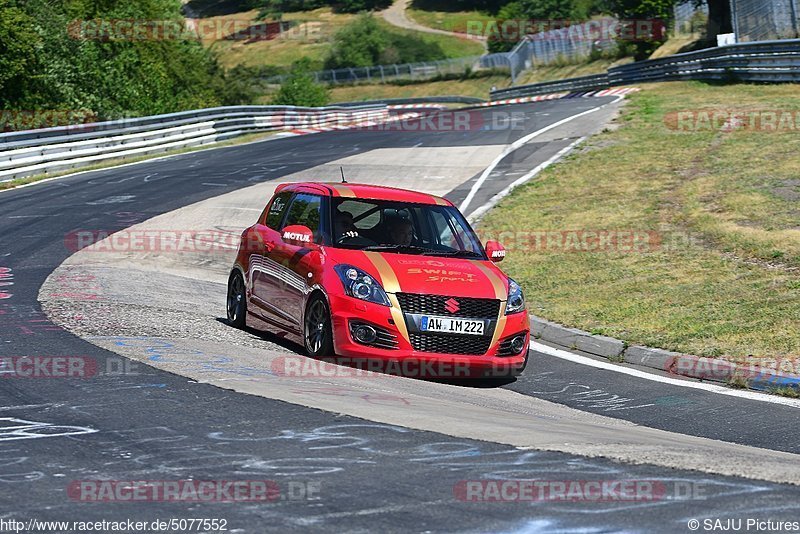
pixel 237 300
pixel 317 330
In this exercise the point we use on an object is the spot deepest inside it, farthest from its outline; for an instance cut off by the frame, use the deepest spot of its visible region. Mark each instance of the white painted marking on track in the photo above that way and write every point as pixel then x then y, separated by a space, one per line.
pixel 119 199
pixel 479 212
pixel 517 144
pixel 711 388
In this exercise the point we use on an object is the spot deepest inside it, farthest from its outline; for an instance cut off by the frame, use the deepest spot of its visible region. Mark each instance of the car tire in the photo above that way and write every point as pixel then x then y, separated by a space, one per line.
pixel 317 328
pixel 237 301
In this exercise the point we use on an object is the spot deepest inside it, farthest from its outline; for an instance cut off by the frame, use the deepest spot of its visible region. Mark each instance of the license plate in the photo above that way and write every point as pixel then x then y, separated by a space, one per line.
pixel 450 325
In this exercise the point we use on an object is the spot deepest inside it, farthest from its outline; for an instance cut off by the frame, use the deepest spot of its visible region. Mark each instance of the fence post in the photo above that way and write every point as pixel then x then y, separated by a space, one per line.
pixel 383 77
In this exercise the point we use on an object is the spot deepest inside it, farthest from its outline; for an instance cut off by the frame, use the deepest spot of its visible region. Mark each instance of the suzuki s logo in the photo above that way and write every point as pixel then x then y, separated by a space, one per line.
pixel 452 305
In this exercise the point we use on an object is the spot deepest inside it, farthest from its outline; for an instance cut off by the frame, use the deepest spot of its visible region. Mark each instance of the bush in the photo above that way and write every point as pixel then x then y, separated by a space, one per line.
pixel 300 89
pixel 364 43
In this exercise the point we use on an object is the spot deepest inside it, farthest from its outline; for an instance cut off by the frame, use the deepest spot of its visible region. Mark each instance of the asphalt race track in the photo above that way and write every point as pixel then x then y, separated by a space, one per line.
pixel 335 471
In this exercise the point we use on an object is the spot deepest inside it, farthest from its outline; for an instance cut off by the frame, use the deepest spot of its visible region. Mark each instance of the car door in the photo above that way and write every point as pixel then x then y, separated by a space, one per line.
pixel 262 268
pixel 295 259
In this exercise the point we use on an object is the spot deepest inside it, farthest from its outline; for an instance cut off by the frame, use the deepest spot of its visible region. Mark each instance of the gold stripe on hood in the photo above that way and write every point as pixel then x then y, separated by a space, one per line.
pixel 388 277
pixel 500 287
pixel 391 285
pixel 501 292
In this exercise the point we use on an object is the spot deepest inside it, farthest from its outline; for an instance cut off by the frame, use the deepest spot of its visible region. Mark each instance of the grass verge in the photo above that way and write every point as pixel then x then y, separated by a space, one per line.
pixel 452 46
pixel 311 38
pixel 720 273
pixel 477 86
pixel 451 21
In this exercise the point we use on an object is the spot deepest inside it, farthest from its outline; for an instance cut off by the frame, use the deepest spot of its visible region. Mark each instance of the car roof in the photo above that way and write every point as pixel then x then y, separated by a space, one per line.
pixel 365 191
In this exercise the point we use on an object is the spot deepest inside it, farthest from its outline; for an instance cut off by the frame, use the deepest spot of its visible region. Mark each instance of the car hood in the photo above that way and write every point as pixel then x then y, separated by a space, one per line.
pixel 408 273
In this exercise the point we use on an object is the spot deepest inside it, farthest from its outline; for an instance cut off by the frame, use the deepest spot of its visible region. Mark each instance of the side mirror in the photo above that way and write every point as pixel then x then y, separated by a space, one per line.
pixel 298 235
pixel 495 251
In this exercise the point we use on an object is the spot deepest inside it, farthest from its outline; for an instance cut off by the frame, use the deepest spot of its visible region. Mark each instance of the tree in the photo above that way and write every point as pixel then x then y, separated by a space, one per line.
pixel 719 17
pixel 540 12
pixel 358 44
pixel 300 89
pixel 364 43
pixel 18 60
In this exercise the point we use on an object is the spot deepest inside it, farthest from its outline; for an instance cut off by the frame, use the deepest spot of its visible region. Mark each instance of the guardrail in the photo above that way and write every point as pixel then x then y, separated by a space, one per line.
pixel 765 61
pixel 417 100
pixel 51 150
pixel 583 83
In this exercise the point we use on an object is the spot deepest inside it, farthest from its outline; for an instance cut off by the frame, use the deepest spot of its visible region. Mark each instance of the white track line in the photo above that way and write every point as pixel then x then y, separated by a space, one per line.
pixel 520 142
pixel 711 388
pixel 480 212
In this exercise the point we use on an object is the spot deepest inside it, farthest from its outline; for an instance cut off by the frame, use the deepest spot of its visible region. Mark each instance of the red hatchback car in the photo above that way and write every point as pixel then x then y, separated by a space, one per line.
pixel 364 272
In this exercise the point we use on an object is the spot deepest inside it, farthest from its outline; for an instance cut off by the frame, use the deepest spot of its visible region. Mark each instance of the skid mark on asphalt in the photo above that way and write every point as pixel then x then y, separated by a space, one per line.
pixel 583 395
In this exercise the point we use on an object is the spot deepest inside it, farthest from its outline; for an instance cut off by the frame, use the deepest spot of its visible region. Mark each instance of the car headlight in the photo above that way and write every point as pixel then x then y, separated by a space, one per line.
pixel 516 300
pixel 360 285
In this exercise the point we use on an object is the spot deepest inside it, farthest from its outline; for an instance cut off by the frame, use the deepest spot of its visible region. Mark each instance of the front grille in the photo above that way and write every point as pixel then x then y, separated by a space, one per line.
pixel 449 344
pixel 435 305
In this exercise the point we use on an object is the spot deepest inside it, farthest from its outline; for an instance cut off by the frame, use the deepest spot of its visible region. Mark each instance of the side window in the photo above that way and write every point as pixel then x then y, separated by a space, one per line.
pixel 359 209
pixel 276 210
pixel 305 209
pixel 444 231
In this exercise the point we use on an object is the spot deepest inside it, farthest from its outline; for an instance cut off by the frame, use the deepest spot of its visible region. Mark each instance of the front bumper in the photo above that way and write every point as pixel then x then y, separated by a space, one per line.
pixel 407 361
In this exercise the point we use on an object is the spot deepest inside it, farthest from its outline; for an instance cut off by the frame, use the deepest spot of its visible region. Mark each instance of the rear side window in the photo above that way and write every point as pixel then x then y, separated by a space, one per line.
pixel 276 210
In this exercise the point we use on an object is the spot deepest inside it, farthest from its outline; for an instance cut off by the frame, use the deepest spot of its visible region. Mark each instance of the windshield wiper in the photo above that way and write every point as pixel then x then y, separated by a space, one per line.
pixel 404 248
pixel 424 251
pixel 462 253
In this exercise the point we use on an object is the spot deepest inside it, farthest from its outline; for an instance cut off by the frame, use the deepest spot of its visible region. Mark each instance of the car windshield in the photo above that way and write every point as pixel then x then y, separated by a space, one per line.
pixel 401 227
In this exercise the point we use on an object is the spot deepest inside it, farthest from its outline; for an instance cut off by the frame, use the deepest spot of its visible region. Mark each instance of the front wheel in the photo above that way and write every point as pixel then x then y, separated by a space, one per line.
pixel 237 300
pixel 317 330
